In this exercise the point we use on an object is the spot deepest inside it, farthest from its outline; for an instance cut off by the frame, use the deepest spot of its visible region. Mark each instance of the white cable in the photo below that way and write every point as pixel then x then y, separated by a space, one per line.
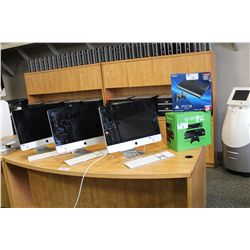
pixel 84 174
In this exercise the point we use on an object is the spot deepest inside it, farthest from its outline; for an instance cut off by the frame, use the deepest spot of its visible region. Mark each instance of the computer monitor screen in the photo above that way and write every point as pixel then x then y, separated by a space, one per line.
pixel 130 124
pixel 76 125
pixel 32 125
pixel 241 95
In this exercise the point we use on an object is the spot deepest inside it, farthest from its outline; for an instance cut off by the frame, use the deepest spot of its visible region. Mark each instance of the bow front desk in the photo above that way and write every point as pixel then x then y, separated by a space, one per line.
pixel 172 182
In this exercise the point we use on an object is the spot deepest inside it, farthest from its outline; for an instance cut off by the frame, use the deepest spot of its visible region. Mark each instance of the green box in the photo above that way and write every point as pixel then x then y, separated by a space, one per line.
pixel 187 130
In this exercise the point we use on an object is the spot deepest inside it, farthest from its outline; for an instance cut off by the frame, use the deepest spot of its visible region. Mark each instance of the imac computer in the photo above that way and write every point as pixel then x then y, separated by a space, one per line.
pixel 33 130
pixel 130 124
pixel 75 126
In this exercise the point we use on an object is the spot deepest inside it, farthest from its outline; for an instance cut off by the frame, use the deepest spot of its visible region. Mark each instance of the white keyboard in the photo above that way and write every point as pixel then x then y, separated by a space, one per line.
pixel 86 157
pixel 42 156
pixel 148 159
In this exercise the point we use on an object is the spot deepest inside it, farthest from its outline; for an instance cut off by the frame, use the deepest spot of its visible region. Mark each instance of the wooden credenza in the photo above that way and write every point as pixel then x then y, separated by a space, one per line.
pixel 172 182
pixel 144 76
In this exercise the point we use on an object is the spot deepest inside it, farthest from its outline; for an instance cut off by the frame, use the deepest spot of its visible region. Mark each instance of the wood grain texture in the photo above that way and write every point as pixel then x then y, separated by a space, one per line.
pixel 5 201
pixel 79 95
pixel 50 190
pixel 112 166
pixel 18 187
pixel 140 73
pixel 175 182
pixel 64 80
pixel 196 184
pixel 210 154
pixel 214 147
pixel 137 91
pixel 165 66
pixel 115 75
pixel 90 77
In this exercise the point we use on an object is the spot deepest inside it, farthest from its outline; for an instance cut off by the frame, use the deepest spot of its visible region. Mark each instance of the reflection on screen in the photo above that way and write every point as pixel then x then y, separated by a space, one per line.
pixel 75 122
pixel 129 121
pixel 241 95
pixel 32 123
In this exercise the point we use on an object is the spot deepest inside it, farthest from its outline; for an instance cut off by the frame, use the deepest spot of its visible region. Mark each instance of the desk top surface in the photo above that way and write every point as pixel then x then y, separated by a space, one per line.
pixel 112 165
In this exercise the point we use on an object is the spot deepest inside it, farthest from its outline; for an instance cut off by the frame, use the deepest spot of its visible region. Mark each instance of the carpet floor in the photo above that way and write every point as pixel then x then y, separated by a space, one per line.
pixel 227 190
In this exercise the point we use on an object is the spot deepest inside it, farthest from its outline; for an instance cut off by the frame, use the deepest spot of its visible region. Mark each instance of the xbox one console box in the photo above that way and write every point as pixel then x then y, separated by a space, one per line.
pixel 187 130
pixel 191 92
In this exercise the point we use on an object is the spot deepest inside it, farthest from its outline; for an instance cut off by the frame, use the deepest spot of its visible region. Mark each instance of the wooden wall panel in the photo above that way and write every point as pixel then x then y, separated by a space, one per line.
pixel 140 73
pixel 49 82
pixel 5 201
pixel 64 80
pixel 115 75
pixel 188 63
pixel 50 190
pixel 90 77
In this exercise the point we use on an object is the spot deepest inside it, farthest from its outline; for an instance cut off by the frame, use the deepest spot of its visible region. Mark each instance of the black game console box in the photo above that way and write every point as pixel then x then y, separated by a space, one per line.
pixel 193 87
pixel 194 134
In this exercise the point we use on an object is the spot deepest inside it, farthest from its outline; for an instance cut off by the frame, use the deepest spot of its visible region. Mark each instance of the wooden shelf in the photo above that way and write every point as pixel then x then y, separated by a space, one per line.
pixel 140 73
pixel 62 82
pixel 142 76
pixel 77 95
pixel 137 91
pixel 115 75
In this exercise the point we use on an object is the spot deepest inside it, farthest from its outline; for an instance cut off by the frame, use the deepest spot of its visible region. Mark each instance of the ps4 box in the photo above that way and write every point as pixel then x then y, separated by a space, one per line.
pixel 191 92
pixel 188 130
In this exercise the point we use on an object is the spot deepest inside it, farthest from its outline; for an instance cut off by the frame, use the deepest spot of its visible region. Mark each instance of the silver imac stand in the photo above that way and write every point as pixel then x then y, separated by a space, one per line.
pixel 133 153
pixel 80 152
pixel 83 155
pixel 43 152
pixel 43 149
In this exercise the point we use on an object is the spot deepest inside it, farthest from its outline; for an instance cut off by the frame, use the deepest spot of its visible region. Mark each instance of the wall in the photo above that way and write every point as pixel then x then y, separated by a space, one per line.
pixel 232 70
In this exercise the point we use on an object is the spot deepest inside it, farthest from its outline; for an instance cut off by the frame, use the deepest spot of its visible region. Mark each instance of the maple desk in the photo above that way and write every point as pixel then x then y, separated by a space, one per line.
pixel 4 195
pixel 173 182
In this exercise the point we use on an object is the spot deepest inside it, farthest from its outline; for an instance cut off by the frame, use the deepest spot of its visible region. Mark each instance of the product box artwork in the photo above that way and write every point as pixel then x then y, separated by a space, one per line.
pixel 191 92
pixel 187 130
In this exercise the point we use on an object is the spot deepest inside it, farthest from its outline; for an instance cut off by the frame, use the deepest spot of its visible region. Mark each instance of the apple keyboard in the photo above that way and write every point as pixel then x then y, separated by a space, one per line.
pixel 42 155
pixel 148 159
pixel 86 157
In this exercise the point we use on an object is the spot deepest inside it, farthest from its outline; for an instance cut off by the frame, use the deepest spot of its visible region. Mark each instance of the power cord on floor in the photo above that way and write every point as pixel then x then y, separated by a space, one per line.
pixel 84 174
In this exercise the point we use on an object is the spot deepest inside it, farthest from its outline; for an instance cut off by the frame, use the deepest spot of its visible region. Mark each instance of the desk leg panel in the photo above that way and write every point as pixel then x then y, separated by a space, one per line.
pixel 18 188
pixel 50 190
pixel 134 193
pixel 196 184
pixel 5 202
